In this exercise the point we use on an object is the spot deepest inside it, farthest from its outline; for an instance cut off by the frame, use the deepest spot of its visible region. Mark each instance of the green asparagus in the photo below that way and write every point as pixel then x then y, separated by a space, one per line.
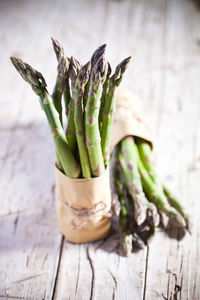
pixel 93 139
pixel 145 153
pixel 71 132
pixel 108 108
pixel 82 78
pixel 128 162
pixel 62 81
pixel 38 84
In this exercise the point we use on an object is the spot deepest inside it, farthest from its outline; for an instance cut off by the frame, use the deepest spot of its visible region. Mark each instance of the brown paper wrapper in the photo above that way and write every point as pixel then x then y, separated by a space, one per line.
pixel 83 207
pixel 128 119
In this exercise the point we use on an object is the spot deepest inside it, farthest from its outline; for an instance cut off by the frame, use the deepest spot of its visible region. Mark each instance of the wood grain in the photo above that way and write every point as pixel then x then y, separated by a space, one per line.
pixel 164 39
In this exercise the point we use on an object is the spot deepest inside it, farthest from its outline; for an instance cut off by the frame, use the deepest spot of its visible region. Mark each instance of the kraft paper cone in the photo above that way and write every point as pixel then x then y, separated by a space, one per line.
pixel 128 119
pixel 83 207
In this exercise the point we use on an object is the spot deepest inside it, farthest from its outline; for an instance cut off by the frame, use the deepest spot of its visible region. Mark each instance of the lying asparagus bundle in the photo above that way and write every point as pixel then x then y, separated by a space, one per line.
pixel 82 148
pixel 148 202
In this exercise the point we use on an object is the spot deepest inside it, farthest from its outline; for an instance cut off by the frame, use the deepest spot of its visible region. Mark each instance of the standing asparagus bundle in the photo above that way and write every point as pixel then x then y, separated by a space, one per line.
pixel 82 206
pixel 83 151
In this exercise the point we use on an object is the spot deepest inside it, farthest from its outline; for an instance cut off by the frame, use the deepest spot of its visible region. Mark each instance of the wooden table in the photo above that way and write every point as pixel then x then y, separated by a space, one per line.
pixel 164 39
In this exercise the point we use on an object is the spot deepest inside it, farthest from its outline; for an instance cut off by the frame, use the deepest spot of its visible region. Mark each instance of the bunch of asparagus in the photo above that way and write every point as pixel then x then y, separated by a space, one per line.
pixel 140 199
pixel 81 124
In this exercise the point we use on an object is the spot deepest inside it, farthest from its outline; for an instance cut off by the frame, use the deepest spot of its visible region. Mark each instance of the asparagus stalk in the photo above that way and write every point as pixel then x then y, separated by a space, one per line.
pixel 99 52
pixel 71 132
pixel 128 162
pixel 125 234
pixel 93 141
pixel 114 166
pixel 108 109
pixel 154 193
pixel 128 224
pixel 104 93
pixel 173 201
pixel 145 153
pixel 94 59
pixel 82 78
pixel 62 81
pixel 38 84
pixel 66 86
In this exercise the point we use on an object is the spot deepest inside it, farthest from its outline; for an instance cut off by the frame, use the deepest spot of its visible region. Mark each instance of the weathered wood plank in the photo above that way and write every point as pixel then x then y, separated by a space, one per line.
pixel 30 241
pixel 172 263
pixel 99 270
pixel 29 238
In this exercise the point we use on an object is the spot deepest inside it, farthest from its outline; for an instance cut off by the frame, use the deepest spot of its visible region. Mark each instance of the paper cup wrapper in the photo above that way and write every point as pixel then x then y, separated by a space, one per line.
pixel 128 119
pixel 83 207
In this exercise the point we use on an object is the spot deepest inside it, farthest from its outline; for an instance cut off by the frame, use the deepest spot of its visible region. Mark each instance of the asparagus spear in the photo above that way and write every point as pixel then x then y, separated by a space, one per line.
pixel 94 59
pixel 173 201
pixel 128 162
pixel 66 87
pixel 128 224
pixel 104 93
pixel 62 81
pixel 137 242
pixel 82 78
pixel 129 230
pixel 109 105
pixel 38 84
pixel 71 132
pixel 125 234
pixel 153 216
pixel 156 195
pixel 93 141
pixel 99 52
pixel 114 166
pixel 145 152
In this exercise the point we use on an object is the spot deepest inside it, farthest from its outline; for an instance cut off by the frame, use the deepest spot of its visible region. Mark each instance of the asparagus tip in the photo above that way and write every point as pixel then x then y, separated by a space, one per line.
pixel 58 49
pixel 120 70
pixel 83 74
pixel 98 53
pixel 176 220
pixel 100 69
pixel 152 215
pixel 109 69
pixel 137 241
pixel 74 67
pixel 127 244
pixel 32 76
